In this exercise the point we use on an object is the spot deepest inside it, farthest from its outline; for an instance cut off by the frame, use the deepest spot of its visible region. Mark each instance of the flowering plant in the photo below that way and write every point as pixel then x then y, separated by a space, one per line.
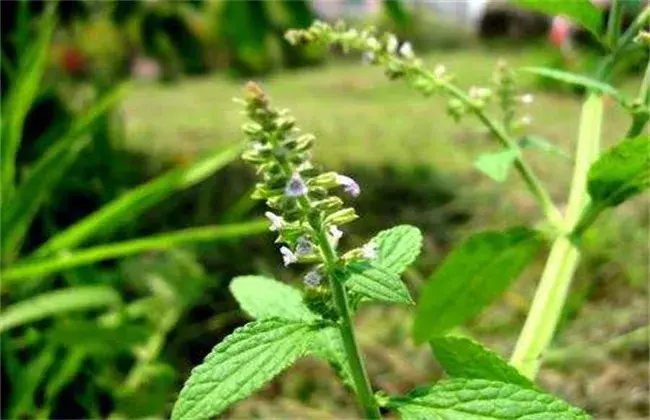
pixel 308 217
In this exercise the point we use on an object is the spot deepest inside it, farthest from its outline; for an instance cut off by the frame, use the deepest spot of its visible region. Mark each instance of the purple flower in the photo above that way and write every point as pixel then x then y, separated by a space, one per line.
pixel 370 250
pixel 288 256
pixel 313 278
pixel 304 247
pixel 277 222
pixel 296 186
pixel 349 185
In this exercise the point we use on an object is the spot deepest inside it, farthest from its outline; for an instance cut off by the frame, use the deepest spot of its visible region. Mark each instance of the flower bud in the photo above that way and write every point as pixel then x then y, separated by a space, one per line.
pixel 342 217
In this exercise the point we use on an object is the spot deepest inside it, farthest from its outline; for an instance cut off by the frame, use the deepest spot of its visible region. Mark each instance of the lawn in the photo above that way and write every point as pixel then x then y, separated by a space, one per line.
pixel 360 117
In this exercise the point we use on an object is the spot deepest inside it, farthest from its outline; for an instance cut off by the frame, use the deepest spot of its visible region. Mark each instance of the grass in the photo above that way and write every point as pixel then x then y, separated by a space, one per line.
pixel 360 117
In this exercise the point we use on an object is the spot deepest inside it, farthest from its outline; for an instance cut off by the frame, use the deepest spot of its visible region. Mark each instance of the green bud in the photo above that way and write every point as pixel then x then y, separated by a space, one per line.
pixel 326 180
pixel 252 128
pixel 342 217
pixel 329 204
pixel 253 156
pixel 319 300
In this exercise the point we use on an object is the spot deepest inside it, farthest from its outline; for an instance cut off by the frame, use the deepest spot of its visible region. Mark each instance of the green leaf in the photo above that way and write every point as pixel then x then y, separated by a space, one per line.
pixel 621 173
pixel 136 201
pixel 398 247
pixel 328 345
pixel 461 357
pixel 496 165
pixel 372 281
pixel 474 399
pixel 240 365
pixel 575 79
pixel 107 340
pixel 262 297
pixel 78 298
pixel 24 392
pixel 542 144
pixel 582 12
pixel 23 93
pixel 471 277
pixel 18 213
pixel 33 267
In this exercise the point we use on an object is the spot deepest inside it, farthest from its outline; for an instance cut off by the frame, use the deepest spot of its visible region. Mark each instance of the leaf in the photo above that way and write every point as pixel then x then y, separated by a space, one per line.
pixel 575 79
pixel 496 165
pixel 471 277
pixel 465 399
pixel 77 298
pixel 582 12
pixel 461 357
pixel 543 144
pixel 23 394
pixel 398 247
pixel 371 281
pixel 107 340
pixel 136 201
pixel 262 297
pixel 33 267
pixel 240 365
pixel 621 173
pixel 21 97
pixel 18 213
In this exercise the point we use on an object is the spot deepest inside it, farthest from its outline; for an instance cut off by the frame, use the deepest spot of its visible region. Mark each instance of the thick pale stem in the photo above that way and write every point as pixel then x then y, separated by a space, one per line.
pixel 553 288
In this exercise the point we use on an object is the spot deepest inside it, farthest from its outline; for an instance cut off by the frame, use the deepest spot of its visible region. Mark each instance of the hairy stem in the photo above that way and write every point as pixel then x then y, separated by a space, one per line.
pixel 561 265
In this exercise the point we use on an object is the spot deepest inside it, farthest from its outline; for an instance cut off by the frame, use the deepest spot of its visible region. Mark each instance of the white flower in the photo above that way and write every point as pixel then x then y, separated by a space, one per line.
pixel 406 51
pixel 335 234
pixel 277 222
pixel 392 44
pixel 526 120
pixel 349 185
pixel 369 57
pixel 527 99
pixel 370 250
pixel 304 247
pixel 313 278
pixel 440 71
pixel 296 186
pixel 479 92
pixel 288 256
pixel 373 44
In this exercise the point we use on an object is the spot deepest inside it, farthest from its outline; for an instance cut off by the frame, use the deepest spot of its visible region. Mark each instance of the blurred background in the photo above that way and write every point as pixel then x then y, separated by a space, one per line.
pixel 125 169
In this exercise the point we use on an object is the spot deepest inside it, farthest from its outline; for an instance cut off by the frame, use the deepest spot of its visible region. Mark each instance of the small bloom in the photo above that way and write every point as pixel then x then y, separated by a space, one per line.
pixel 392 44
pixel 373 44
pixel 406 51
pixel 257 146
pixel 335 232
pixel 479 92
pixel 296 186
pixel 369 57
pixel 288 256
pixel 313 278
pixel 370 250
pixel 527 99
pixel 526 120
pixel 304 247
pixel 277 222
pixel 440 71
pixel 349 185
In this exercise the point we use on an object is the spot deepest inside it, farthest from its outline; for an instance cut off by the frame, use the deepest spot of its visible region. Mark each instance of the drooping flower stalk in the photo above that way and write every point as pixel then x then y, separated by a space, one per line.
pixel 309 216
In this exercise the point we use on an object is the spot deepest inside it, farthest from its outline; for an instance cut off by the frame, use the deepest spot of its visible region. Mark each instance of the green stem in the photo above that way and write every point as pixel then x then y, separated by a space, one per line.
pixel 614 22
pixel 340 298
pixel 561 265
pixel 549 209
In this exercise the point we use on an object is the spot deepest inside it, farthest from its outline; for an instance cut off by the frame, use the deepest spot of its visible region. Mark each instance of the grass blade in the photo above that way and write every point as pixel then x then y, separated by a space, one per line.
pixel 76 298
pixel 133 203
pixel 41 267
pixel 21 97
pixel 19 212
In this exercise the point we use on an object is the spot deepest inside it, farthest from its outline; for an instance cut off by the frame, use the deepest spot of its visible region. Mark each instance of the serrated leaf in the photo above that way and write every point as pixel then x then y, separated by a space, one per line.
pixel 582 12
pixel 575 79
pixel 621 173
pixel 262 297
pixel 398 247
pixel 471 277
pixel 496 165
pixel 240 365
pixel 329 345
pixel 462 357
pixel 372 281
pixel 77 298
pixel 465 399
